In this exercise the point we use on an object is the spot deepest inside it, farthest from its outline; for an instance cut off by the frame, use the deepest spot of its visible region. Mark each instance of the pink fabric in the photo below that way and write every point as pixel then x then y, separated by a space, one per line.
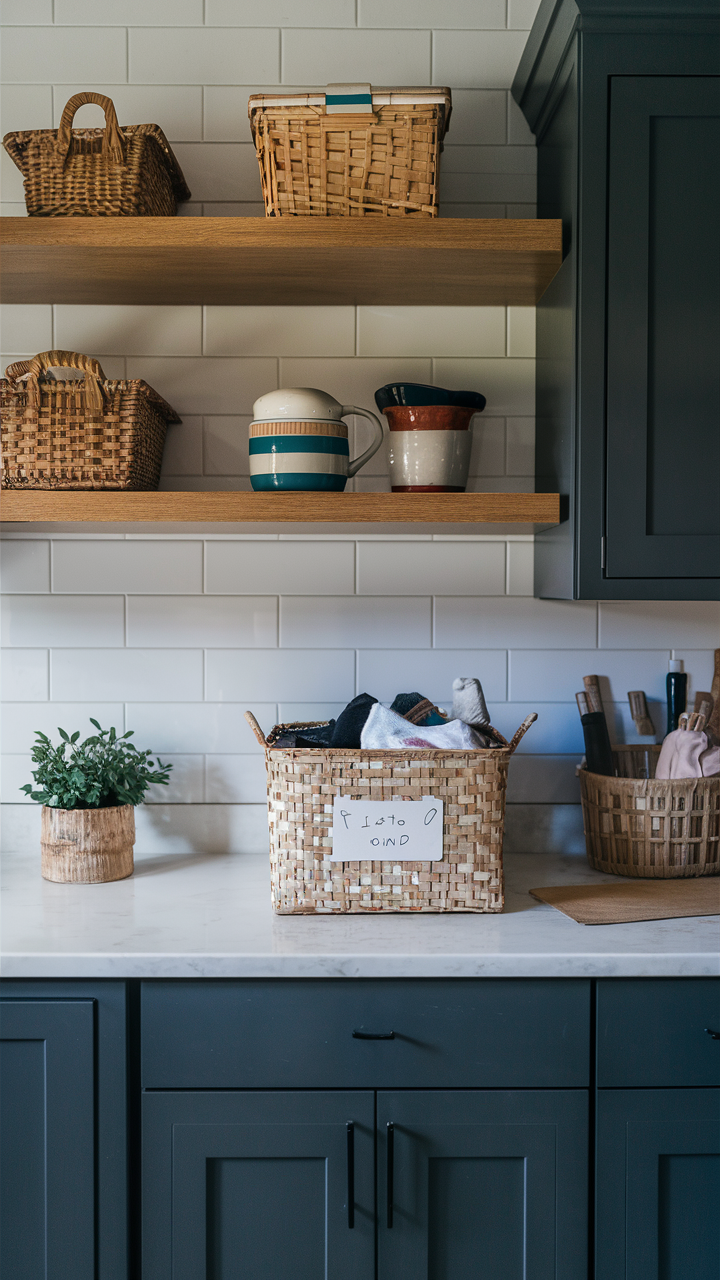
pixel 685 754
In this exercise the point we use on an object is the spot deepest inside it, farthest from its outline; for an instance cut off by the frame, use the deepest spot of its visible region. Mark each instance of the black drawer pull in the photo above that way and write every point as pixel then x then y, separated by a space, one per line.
pixel 715 1034
pixel 373 1035
pixel 351 1173
pixel 390 1171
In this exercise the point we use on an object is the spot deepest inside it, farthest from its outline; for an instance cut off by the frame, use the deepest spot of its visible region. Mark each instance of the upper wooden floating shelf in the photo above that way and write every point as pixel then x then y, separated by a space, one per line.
pixel 283 261
pixel 44 506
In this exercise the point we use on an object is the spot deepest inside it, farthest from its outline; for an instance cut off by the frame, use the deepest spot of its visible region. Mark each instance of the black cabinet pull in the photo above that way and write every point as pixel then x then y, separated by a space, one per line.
pixel 350 1128
pixel 390 1171
pixel 715 1034
pixel 373 1035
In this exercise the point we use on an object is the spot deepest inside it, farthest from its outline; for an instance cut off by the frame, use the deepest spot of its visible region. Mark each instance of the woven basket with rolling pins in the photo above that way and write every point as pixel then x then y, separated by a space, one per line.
pixel 302 784
pixel 111 172
pixel 87 433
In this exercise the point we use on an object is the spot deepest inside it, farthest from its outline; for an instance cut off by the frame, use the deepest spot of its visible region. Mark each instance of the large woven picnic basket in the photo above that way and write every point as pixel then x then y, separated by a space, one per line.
pixel 111 172
pixel 652 828
pixel 374 159
pixel 86 433
pixel 302 784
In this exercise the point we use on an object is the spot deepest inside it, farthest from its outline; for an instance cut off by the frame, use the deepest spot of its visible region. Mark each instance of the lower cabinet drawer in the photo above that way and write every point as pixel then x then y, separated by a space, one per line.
pixel 358 1033
pixel 658 1032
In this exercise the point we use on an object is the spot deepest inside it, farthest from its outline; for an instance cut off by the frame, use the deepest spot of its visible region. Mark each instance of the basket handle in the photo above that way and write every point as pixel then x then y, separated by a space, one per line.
pixel 520 733
pixel 256 728
pixel 112 141
pixel 61 360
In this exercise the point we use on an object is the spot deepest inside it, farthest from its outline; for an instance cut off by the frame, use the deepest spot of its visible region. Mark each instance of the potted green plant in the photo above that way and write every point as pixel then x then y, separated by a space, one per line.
pixel 88 791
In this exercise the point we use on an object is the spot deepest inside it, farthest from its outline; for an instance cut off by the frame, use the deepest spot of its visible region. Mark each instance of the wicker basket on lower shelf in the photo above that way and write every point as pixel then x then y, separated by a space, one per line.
pixel 301 787
pixel 652 828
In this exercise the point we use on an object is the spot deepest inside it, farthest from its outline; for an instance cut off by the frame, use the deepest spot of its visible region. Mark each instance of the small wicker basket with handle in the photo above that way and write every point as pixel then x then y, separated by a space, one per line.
pixel 110 172
pixel 302 785
pixel 87 433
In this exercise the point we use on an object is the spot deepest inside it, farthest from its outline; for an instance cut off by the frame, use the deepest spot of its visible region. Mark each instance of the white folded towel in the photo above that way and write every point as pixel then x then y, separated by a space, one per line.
pixel 386 730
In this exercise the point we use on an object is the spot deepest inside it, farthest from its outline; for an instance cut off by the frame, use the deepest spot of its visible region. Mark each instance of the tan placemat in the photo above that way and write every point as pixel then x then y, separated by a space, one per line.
pixel 620 903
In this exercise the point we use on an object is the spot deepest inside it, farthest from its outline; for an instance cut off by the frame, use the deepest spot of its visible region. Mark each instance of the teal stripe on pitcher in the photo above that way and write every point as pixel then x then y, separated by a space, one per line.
pixel 299 444
pixel 298 481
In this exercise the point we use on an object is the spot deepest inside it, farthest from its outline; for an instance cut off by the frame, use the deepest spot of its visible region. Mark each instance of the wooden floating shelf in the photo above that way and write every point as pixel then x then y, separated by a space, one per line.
pixel 279 261
pixel 44 506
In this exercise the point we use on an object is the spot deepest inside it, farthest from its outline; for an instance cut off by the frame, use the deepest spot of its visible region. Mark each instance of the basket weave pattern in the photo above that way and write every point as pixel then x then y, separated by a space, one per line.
pixel 110 172
pixel 652 828
pixel 86 434
pixel 380 165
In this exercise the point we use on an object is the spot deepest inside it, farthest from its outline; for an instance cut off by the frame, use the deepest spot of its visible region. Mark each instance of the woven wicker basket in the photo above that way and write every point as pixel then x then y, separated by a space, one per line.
pixel 110 172
pixel 649 827
pixel 301 788
pixel 88 433
pixel 383 163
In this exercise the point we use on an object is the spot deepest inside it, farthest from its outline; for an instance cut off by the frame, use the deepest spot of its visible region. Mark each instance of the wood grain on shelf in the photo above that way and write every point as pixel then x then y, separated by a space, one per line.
pixel 279 261
pixel 364 508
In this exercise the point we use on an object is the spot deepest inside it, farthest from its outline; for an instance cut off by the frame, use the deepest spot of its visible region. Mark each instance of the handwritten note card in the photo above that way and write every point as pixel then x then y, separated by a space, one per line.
pixel 401 831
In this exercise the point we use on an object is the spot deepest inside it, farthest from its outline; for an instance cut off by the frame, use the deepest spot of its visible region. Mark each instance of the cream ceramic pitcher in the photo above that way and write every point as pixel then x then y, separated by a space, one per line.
pixel 298 441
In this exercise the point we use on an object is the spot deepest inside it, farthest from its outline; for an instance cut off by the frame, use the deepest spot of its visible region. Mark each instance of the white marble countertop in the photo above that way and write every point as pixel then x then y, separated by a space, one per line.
pixel 190 915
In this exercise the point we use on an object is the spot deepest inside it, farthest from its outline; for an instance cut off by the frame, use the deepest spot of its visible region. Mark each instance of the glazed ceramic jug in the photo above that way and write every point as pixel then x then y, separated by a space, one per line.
pixel 429 438
pixel 298 441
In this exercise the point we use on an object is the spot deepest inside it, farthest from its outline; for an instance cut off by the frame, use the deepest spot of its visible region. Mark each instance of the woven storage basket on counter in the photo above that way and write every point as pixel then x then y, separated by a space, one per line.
pixel 111 172
pixel 650 827
pixel 87 433
pixel 302 784
pixel 382 163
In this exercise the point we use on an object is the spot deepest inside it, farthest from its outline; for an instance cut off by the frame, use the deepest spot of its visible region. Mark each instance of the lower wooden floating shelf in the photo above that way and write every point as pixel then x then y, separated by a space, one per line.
pixel 23 506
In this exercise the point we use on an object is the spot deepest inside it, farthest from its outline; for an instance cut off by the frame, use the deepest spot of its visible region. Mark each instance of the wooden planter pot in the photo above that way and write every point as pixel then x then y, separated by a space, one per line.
pixel 87 846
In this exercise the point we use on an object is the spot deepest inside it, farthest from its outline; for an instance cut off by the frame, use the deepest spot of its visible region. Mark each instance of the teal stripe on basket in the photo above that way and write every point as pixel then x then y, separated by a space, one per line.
pixel 343 99
pixel 299 444
pixel 298 480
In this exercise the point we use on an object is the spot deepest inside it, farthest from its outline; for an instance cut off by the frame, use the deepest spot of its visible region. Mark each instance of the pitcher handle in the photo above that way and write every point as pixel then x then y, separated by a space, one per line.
pixel 354 467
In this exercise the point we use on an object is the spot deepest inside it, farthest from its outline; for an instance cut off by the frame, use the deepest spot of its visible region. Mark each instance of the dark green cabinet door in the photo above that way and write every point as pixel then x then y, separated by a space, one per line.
pixel 47 1140
pixel 258 1186
pixel 658 1184
pixel 483 1185
pixel 663 371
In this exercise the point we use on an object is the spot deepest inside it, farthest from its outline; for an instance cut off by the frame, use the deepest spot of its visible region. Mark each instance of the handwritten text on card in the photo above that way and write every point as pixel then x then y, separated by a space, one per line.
pixel 401 830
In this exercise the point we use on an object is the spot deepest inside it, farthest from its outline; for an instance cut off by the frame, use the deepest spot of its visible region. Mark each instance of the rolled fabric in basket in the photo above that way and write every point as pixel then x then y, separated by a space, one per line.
pixel 385 730
pixel 686 754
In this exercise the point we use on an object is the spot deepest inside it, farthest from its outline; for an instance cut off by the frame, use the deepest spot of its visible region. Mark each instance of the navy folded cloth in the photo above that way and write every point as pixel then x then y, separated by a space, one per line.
pixel 319 736
pixel 350 722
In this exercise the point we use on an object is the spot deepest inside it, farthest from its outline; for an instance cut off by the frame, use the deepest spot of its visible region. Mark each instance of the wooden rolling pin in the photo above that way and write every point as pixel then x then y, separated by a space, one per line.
pixel 640 714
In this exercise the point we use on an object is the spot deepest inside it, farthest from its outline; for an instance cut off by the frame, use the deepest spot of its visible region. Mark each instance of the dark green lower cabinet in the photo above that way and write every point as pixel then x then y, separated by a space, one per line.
pixel 658 1184
pixel 273 1186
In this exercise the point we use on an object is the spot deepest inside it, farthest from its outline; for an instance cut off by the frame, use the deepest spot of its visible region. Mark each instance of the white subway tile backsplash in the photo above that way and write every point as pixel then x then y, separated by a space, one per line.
pixel 514 623
pixel 431 331
pixel 26 106
pixel 186 784
pixel 178 109
pixel 205 384
pixel 520 435
pixel 163 675
pixel 221 830
pixel 197 727
pixel 15 772
pixel 220 170
pixel 465 14
pixel 625 624
pixel 488 446
pixel 545 779
pixel 479 118
pixel 281 13
pixel 520 568
pixel 354 381
pixel 206 621
pixel 487 187
pixel 312 568
pixel 509 385
pixel 519 131
pixel 371 622
pixel 20 827
pixel 521 14
pixel 430 672
pixel 120 13
pixel 235 779
pixel 203 55
pixel 225 112
pixel 225 446
pixel 11 180
pixel 63 620
pixel 308 712
pixel 22 720
pixel 24 675
pixel 437 568
pixel 24 565
pixel 477 59
pixel 275 674
pixel 521 330
pixel 545 676
pixel 283 331
pixel 130 331
pixel 355 56
pixel 483 159
pixel 63 55
pixel 24 11
pixel 183 451
pixel 557 729
pixel 25 327
pixel 152 566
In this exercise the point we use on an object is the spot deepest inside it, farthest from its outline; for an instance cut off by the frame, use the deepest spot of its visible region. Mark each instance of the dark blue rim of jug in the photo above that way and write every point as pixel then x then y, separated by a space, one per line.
pixel 417 394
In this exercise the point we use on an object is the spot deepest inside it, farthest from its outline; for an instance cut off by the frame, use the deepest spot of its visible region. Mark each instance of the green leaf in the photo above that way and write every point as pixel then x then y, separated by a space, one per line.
pixel 63 735
pixel 95 722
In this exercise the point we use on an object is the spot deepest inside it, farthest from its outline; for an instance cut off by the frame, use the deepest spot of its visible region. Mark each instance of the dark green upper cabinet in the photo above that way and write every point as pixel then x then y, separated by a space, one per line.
pixel 624 99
